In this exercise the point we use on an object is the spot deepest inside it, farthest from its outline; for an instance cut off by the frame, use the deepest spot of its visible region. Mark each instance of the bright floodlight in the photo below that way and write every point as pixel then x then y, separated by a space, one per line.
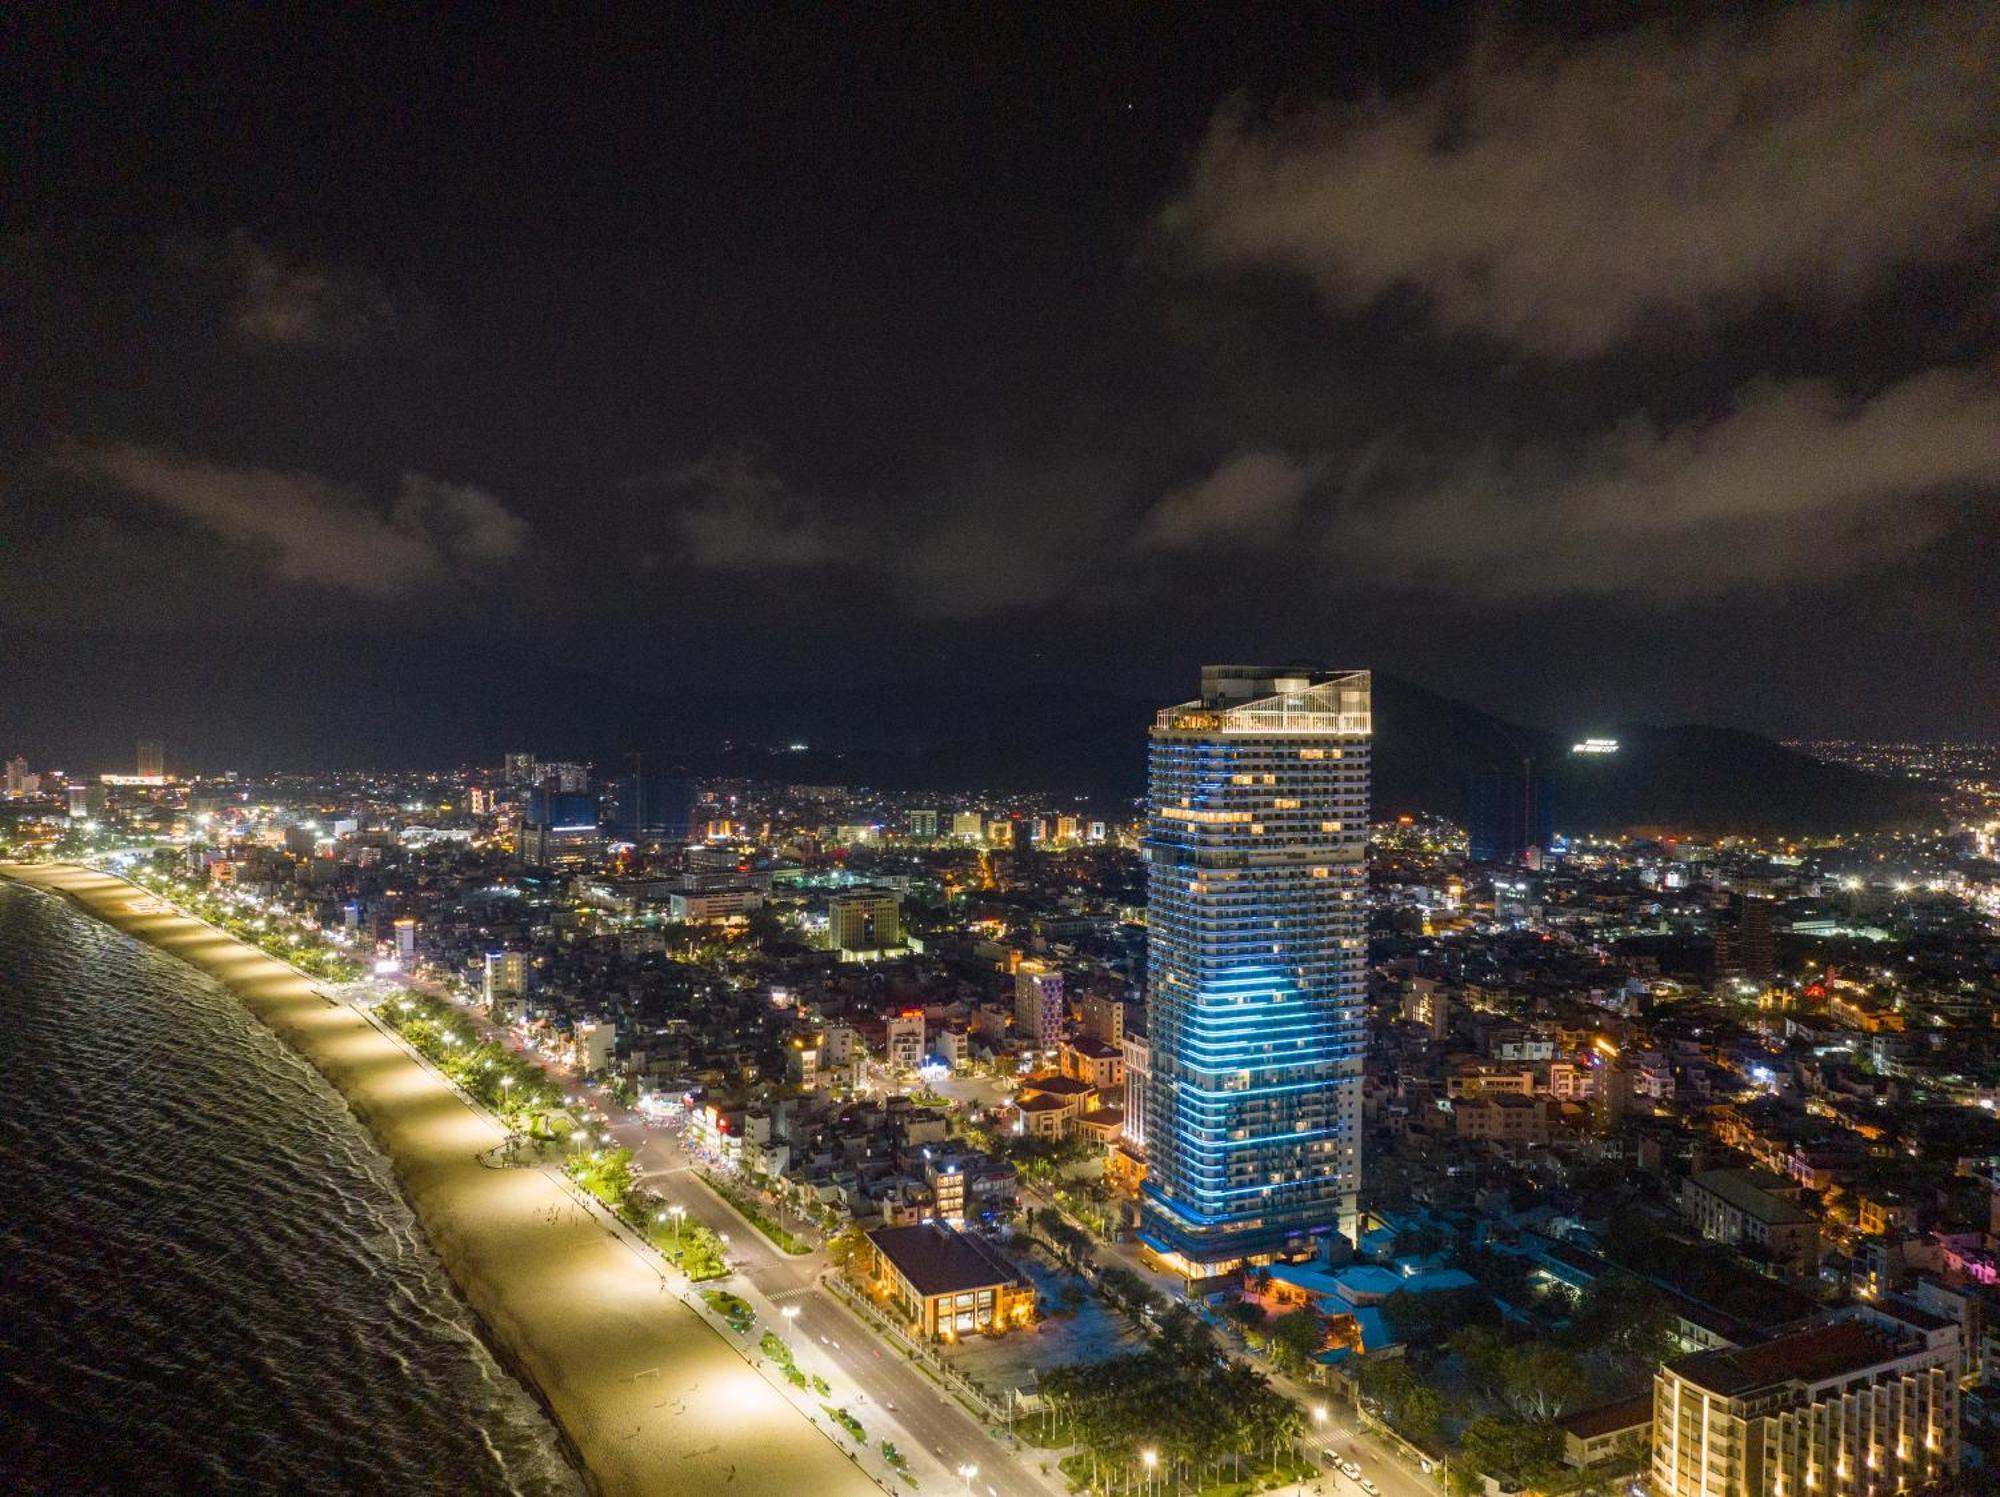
pixel 1150 1457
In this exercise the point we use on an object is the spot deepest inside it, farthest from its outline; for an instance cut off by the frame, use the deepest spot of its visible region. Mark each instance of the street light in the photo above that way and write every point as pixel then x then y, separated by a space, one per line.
pixel 1152 1459
pixel 677 1212
pixel 966 1473
pixel 791 1313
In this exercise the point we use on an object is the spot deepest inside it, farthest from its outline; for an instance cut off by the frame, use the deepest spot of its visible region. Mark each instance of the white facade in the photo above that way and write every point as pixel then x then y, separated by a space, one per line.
pixel 1137 1074
pixel 1844 1410
pixel 904 1041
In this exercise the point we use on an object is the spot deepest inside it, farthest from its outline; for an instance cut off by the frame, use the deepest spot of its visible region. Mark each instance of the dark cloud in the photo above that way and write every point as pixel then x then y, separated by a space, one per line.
pixel 732 511
pixel 1253 495
pixel 1792 483
pixel 1559 199
pixel 310 529
pixel 1009 534
pixel 1564 359
pixel 284 304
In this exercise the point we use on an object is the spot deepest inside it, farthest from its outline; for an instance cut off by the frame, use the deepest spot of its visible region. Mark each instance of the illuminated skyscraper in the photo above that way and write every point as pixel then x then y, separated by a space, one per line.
pixel 152 759
pixel 1256 843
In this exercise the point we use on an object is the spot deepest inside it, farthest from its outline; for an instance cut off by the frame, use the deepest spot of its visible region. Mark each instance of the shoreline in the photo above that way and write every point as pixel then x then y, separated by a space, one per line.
pixel 645 1396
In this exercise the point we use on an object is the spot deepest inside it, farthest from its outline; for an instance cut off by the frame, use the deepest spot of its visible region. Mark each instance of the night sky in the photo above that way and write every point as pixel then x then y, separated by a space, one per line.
pixel 1555 357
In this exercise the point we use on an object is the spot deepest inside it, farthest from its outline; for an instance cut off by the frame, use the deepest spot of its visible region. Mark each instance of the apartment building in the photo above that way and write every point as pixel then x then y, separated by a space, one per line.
pixel 1860 1407
pixel 1755 1211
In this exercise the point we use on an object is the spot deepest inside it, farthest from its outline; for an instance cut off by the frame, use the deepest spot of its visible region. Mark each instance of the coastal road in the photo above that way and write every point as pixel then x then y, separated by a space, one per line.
pixel 930 1427
pixel 826 1337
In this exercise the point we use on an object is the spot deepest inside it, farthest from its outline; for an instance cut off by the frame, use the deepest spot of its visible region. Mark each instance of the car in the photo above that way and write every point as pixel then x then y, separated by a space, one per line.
pixel 1351 1471
pixel 1367 1486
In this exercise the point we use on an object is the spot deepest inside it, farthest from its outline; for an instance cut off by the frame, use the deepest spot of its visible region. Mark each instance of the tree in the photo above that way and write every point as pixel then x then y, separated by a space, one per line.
pixel 1409 1403
pixel 1462 1479
pixel 1124 1288
pixel 1246 1313
pixel 1482 1351
pixel 1512 1450
pixel 1405 1399
pixel 1422 1413
pixel 1071 1245
pixel 849 1250
pixel 1624 1315
pixel 1542 1381
pixel 1296 1338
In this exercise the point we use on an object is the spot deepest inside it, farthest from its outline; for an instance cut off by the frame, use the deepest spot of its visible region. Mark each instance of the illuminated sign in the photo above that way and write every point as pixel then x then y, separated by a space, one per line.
pixel 1595 746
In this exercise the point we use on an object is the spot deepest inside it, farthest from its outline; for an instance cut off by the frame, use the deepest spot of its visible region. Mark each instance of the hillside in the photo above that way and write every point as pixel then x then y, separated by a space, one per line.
pixel 290 701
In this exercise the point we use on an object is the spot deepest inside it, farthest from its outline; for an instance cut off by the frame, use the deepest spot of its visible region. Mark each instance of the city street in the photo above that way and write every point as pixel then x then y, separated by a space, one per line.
pixel 829 1339
pixel 940 1438
pixel 935 1432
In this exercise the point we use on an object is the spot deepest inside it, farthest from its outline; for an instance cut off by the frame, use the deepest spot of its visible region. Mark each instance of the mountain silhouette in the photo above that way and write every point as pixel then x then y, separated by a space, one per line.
pixel 286 701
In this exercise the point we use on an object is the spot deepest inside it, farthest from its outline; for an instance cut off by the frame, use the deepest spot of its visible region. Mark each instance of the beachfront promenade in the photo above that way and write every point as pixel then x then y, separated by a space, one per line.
pixel 650 1397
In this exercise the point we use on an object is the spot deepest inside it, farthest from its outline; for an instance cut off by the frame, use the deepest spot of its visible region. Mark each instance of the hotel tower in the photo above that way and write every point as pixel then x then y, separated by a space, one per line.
pixel 1256 838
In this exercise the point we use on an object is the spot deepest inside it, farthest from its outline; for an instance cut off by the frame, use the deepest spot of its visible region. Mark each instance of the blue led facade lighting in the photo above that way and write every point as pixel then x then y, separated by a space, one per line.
pixel 1256 843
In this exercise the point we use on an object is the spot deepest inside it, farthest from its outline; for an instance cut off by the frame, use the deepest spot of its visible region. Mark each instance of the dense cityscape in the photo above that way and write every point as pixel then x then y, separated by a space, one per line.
pixel 1168 750
pixel 1438 1151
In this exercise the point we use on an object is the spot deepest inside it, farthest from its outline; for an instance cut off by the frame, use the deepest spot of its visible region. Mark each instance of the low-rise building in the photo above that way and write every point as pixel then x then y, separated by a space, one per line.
pixel 1046 1116
pixel 1593 1436
pixel 1094 1061
pixel 715 906
pixel 1050 1104
pixel 903 1040
pixel 1753 1210
pixel 1502 1118
pixel 946 1284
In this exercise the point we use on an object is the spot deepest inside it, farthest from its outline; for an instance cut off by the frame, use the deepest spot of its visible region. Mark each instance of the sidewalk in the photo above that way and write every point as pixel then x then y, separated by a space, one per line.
pixel 927 1472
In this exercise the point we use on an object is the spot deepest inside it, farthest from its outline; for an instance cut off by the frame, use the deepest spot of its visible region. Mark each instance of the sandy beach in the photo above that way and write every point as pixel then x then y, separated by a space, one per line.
pixel 649 1396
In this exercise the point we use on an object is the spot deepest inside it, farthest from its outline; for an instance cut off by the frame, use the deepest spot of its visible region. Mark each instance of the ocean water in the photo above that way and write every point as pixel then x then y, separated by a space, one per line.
pixel 208 1282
